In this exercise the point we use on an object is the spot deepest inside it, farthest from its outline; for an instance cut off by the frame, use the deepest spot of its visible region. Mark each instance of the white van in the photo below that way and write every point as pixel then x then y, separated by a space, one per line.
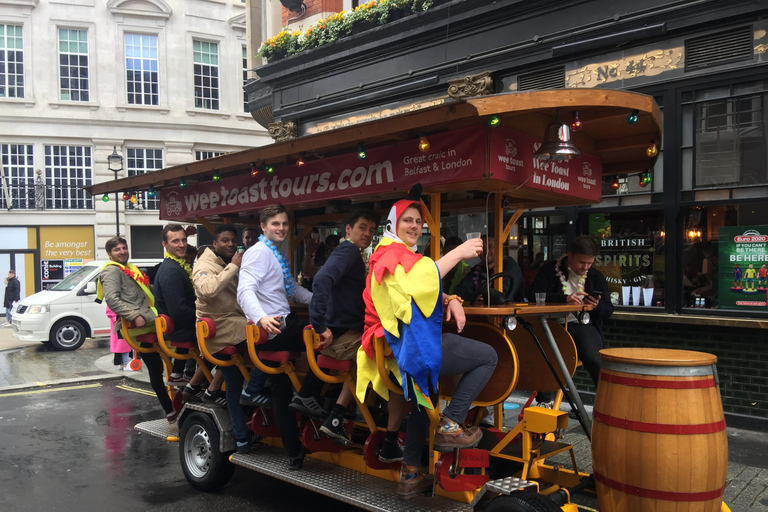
pixel 67 314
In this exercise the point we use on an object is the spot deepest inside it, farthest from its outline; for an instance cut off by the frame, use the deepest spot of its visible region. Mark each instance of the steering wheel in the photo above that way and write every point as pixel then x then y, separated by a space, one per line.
pixel 483 287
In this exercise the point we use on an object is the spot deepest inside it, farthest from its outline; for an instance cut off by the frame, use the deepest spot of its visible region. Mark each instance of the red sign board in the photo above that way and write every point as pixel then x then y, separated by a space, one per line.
pixel 453 156
pixel 512 160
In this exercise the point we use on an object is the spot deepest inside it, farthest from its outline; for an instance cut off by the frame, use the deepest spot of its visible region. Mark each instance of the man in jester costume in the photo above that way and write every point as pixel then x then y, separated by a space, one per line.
pixel 404 303
pixel 125 289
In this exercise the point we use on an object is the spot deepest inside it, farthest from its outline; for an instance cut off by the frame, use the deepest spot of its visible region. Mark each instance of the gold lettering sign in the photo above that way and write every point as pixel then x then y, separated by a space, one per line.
pixel 651 63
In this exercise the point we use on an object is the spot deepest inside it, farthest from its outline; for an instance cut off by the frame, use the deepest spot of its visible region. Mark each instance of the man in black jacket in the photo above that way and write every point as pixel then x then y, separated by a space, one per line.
pixel 12 295
pixel 175 296
pixel 573 280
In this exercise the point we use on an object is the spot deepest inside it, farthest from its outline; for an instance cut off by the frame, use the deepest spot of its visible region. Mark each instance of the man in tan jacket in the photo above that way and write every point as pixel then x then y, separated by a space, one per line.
pixel 126 291
pixel 215 277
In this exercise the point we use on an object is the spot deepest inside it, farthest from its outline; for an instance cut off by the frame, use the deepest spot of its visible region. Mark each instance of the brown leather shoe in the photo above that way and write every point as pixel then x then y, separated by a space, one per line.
pixel 450 435
pixel 412 482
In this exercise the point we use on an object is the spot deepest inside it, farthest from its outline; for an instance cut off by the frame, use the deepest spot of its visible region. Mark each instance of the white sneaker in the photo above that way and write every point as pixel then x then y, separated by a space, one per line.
pixel 6 324
pixel 545 405
pixel 127 368
pixel 488 421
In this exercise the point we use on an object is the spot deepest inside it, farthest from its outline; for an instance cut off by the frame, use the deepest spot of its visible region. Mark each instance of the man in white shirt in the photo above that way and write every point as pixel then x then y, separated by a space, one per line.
pixel 266 285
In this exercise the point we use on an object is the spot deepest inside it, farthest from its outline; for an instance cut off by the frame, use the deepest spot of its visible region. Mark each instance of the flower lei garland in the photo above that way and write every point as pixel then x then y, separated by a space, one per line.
pixel 564 281
pixel 290 289
pixel 183 264
pixel 139 277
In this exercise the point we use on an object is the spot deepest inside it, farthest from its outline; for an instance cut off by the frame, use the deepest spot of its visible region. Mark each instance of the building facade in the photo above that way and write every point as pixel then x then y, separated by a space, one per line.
pixel 158 82
pixel 672 236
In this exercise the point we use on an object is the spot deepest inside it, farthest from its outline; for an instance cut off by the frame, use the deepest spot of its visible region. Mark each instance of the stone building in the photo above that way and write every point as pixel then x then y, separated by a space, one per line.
pixel 158 81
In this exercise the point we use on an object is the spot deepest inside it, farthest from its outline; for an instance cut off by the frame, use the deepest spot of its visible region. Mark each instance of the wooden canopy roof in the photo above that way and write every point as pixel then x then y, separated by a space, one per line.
pixel 621 146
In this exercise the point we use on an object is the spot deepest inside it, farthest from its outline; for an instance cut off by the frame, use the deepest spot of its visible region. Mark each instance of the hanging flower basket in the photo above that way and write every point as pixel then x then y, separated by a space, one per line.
pixel 340 25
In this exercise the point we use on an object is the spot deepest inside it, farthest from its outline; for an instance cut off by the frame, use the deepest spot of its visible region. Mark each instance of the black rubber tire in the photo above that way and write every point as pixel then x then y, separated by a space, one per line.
pixel 521 501
pixel 205 468
pixel 67 334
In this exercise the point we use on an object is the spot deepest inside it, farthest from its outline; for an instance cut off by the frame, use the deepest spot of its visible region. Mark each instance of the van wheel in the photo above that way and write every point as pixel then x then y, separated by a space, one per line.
pixel 67 335
pixel 205 467
pixel 522 501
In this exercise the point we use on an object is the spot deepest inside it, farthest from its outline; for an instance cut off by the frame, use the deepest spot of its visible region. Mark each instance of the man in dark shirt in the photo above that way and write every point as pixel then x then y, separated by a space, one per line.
pixel 337 311
pixel 175 296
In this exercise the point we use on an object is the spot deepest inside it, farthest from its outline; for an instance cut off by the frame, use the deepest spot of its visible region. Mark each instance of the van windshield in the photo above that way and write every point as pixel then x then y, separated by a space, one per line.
pixel 73 279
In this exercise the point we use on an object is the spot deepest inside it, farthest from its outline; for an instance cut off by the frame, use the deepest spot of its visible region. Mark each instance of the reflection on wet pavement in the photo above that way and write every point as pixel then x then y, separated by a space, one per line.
pixel 40 363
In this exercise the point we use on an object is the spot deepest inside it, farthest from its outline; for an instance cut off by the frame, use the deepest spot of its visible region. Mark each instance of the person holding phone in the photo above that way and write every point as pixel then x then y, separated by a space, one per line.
pixel 573 280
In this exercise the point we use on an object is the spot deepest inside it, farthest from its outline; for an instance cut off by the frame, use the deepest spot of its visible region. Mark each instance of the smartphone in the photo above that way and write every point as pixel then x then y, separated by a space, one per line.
pixel 281 319
pixel 593 294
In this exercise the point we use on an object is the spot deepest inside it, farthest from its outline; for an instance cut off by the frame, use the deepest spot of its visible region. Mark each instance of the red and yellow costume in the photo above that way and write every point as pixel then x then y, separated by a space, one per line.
pixel 403 304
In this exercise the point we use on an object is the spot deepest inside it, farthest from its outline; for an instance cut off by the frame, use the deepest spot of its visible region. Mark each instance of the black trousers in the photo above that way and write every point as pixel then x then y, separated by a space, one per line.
pixel 291 339
pixel 156 370
pixel 589 342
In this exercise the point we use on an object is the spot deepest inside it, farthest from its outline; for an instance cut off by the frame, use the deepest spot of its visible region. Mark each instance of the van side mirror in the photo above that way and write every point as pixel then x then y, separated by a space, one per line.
pixel 90 288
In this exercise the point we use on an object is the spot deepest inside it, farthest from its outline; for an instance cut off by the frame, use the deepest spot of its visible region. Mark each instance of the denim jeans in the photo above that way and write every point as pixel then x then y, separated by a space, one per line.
pixel 461 355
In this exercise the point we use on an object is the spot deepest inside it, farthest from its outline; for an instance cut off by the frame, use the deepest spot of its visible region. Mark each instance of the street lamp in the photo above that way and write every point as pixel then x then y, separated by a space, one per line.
pixel 115 164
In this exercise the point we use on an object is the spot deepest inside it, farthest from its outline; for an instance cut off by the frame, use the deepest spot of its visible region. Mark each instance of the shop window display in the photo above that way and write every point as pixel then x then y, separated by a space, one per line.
pixel 631 255
pixel 725 257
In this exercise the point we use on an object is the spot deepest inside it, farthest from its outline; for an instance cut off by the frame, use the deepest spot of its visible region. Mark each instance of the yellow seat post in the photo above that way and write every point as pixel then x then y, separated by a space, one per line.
pixel 161 326
pixel 252 337
pixel 125 331
pixel 204 334
pixel 312 341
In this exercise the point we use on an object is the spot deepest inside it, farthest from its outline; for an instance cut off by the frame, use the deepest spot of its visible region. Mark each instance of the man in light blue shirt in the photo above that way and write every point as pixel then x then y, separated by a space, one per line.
pixel 266 285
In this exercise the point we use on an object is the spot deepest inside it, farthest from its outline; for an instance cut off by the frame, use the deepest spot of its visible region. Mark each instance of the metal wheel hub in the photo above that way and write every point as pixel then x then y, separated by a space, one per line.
pixel 68 335
pixel 197 449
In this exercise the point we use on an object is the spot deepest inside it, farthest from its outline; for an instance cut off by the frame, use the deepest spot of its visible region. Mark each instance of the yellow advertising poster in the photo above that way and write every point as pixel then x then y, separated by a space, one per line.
pixel 66 242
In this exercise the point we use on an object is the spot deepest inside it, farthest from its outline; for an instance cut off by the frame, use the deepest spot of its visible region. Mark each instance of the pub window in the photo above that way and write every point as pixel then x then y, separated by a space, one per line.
pixel 631 255
pixel 725 257
pixel 728 144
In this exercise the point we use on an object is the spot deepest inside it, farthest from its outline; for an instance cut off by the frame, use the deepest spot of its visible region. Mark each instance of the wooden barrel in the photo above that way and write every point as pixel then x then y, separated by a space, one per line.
pixel 659 442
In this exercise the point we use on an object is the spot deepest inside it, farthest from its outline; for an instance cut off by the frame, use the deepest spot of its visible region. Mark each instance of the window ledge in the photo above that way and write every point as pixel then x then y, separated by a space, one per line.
pixel 27 102
pixel 163 109
pixel 661 316
pixel 77 104
pixel 79 211
pixel 195 111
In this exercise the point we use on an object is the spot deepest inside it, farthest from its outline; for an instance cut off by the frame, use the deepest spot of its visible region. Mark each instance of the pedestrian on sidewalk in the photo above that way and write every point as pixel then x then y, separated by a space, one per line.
pixel 117 345
pixel 12 295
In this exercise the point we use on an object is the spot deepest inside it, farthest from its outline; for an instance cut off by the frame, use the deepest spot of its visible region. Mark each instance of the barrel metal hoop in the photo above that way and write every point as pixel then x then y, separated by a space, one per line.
pixel 665 371
pixel 659 428
pixel 707 382
pixel 659 495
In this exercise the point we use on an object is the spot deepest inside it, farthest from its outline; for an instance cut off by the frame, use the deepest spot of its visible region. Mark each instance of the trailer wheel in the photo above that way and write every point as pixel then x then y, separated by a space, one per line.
pixel 205 467
pixel 522 502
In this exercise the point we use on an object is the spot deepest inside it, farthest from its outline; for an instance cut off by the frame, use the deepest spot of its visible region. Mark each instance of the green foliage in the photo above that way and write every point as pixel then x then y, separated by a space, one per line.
pixel 339 25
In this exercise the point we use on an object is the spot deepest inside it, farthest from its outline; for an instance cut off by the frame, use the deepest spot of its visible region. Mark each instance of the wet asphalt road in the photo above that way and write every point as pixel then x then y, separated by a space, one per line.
pixel 74 448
